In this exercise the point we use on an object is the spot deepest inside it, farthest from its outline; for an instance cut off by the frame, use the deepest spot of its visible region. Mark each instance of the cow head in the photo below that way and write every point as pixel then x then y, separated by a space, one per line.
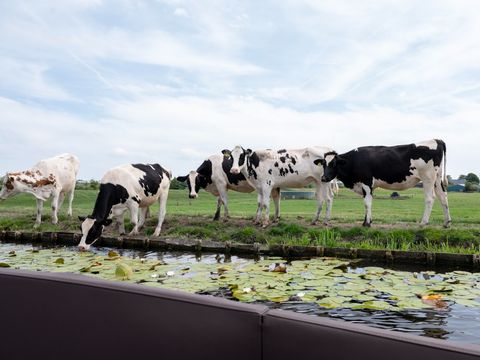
pixel 194 181
pixel 91 230
pixel 9 187
pixel 332 163
pixel 239 156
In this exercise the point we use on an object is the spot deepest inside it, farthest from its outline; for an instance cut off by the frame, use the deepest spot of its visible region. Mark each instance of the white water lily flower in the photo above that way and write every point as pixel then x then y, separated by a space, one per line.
pixel 301 294
pixel 170 273
pixel 154 276
pixel 247 290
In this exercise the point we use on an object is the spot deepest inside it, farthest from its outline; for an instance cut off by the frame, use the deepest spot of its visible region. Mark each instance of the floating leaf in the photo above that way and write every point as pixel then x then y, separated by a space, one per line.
pixel 123 272
pixel 4 265
pixel 60 261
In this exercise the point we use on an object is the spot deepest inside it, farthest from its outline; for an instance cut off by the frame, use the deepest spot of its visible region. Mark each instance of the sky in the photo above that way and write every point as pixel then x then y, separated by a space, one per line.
pixel 174 81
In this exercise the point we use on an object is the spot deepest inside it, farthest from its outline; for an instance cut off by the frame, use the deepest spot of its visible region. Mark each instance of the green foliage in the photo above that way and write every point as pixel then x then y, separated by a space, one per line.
pixel 472 178
pixel 471 187
pixel 177 185
pixel 87 185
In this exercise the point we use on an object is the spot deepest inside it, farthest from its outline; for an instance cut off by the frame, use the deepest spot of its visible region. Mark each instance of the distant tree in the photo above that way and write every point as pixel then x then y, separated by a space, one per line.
pixel 472 178
pixel 471 187
pixel 177 185
pixel 462 176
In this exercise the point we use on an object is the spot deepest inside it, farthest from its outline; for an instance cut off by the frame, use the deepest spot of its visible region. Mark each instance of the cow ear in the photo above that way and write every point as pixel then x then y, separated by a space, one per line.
pixel 182 178
pixel 107 222
pixel 226 153
pixel 319 162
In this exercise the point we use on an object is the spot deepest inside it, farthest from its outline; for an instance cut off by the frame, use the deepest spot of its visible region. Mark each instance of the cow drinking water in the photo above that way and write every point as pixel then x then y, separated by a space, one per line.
pixel 50 178
pixel 392 167
pixel 127 187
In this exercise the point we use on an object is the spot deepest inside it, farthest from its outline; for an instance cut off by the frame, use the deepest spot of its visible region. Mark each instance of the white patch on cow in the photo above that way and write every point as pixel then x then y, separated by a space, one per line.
pixel 358 188
pixel 431 144
pixel 192 177
pixel 86 226
pixel 329 158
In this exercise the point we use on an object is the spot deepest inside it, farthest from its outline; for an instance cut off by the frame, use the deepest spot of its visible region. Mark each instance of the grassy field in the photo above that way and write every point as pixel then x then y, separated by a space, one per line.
pixel 395 223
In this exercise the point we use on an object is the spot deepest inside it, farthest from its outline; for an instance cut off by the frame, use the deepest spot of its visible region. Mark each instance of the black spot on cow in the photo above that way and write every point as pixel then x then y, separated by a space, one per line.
pixel 290 169
pixel 281 151
pixel 108 196
pixel 282 159
pixel 232 178
pixel 293 160
pixel 136 199
pixel 282 172
pixel 270 171
pixel 287 155
pixel 252 163
pixel 150 182
pixel 276 164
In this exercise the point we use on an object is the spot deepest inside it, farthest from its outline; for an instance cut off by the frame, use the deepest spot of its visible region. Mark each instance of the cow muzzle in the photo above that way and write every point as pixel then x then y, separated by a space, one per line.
pixel 192 196
pixel 234 171
pixel 83 247
pixel 324 179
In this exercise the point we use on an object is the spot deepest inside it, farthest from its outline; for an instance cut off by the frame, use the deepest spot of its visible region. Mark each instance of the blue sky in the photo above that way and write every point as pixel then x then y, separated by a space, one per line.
pixel 175 81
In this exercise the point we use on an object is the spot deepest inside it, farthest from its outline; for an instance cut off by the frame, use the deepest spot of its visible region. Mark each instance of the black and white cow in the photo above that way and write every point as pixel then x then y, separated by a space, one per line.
pixel 54 178
pixel 215 177
pixel 392 167
pixel 127 187
pixel 268 170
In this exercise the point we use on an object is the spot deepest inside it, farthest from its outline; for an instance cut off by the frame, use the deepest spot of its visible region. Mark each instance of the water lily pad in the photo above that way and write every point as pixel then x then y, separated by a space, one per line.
pixel 123 272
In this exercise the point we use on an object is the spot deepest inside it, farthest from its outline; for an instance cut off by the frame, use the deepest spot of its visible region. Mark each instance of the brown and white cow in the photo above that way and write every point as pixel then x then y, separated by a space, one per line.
pixel 268 170
pixel 49 178
pixel 392 167
pixel 132 187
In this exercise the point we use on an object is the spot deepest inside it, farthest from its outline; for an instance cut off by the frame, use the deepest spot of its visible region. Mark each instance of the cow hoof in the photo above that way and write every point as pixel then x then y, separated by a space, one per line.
pixel 156 233
pixel 133 233
pixel 36 225
pixel 365 224
pixel 225 219
pixel 447 225
pixel 326 223
pixel 314 222
pixel 216 218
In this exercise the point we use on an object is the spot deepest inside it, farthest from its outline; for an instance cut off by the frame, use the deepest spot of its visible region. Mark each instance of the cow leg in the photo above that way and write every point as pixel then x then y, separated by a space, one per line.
pixel 276 202
pixel 442 196
pixel 367 199
pixel 134 218
pixel 163 210
pixel 258 215
pixel 219 206
pixel 319 194
pixel 429 192
pixel 70 202
pixel 328 197
pixel 142 217
pixel 55 200
pixel 224 199
pixel 266 206
pixel 119 216
pixel 38 220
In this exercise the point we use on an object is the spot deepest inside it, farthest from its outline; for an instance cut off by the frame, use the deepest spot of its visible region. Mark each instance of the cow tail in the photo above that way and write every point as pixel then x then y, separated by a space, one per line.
pixel 445 180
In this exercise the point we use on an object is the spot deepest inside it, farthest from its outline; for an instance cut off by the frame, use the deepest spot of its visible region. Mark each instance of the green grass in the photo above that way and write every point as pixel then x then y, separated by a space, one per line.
pixel 395 223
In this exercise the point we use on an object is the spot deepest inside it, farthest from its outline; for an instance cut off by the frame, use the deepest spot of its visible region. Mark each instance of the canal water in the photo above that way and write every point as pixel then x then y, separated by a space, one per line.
pixel 438 304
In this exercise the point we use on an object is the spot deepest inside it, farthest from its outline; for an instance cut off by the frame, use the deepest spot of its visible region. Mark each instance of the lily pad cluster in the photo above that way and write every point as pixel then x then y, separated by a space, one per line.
pixel 330 283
